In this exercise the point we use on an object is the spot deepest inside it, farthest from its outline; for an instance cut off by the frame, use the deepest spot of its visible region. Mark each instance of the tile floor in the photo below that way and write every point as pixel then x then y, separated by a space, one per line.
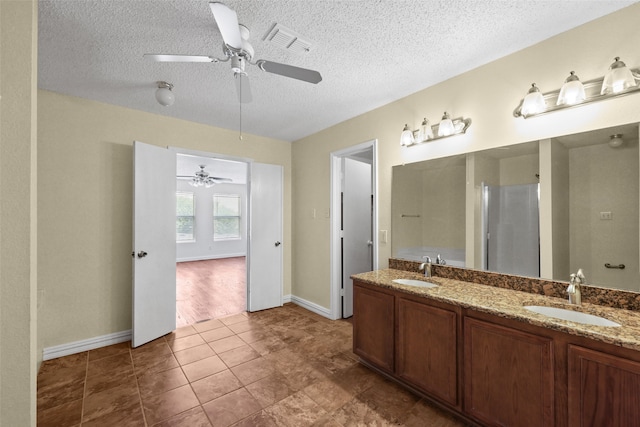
pixel 280 367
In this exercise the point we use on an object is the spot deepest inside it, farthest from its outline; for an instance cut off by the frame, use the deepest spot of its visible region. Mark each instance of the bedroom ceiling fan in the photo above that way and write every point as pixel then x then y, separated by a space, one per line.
pixel 201 178
pixel 238 50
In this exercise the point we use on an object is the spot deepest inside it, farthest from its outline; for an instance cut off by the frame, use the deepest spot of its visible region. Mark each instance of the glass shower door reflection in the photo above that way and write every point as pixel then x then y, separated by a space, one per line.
pixel 511 221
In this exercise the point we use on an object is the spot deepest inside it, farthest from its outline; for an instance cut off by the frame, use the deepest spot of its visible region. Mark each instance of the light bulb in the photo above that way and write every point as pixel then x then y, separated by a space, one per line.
pixel 572 91
pixel 534 102
pixel 445 128
pixel 164 95
pixel 406 138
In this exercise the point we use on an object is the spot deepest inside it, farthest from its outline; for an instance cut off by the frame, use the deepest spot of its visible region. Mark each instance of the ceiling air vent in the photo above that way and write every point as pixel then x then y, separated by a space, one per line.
pixel 288 40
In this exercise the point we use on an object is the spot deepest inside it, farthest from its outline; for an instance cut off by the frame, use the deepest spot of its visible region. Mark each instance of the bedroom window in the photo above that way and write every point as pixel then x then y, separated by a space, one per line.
pixel 185 219
pixel 226 216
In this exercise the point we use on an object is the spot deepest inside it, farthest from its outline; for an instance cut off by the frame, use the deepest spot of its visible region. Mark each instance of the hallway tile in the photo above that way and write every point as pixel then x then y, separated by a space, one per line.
pixel 279 367
pixel 231 407
pixel 166 405
pixel 216 385
pixel 203 368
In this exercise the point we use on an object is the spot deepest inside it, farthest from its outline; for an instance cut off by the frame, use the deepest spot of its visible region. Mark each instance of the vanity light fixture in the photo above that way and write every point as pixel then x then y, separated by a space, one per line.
pixel 618 81
pixel 164 95
pixel 447 127
pixel 572 91
pixel 618 78
pixel 533 102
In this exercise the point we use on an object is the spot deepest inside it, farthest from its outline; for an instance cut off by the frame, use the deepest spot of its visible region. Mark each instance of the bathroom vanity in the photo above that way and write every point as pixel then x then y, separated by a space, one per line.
pixel 475 350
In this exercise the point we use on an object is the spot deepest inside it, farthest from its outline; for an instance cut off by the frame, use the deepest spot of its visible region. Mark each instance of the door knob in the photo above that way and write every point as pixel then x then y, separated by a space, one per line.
pixel 278 244
pixel 369 242
pixel 142 254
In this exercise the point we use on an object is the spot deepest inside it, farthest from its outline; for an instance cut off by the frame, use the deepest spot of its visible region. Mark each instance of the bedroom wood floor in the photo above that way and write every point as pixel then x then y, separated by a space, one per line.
pixel 210 289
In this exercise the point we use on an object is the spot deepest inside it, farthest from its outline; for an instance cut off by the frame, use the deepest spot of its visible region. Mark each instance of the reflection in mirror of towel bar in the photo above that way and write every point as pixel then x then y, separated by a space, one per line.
pixel 620 266
pixel 409 216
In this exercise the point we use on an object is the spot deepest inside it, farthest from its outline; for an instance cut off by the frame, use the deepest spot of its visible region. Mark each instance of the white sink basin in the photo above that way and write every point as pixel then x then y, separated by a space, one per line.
pixel 412 282
pixel 573 316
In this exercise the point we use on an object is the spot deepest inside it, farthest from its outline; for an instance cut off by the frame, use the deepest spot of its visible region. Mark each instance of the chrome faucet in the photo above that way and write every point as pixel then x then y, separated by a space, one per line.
pixel 440 260
pixel 574 291
pixel 426 266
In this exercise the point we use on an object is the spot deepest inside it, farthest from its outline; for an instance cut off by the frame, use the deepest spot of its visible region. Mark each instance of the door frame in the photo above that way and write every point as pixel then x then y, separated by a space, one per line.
pixel 248 161
pixel 335 222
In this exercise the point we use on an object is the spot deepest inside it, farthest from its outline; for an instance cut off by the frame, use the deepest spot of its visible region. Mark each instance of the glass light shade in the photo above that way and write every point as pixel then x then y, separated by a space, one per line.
pixel 446 128
pixel 406 138
pixel 164 96
pixel 572 91
pixel 534 102
pixel 616 140
pixel 618 78
pixel 425 130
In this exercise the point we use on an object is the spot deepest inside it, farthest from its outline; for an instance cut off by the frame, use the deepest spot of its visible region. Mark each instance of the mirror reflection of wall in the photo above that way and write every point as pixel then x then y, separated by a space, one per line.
pixel 603 210
pixel 589 212
pixel 428 213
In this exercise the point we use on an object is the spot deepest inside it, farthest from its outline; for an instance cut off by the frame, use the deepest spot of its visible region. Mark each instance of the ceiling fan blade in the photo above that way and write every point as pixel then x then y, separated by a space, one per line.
pixel 243 89
pixel 303 74
pixel 227 21
pixel 159 57
pixel 217 179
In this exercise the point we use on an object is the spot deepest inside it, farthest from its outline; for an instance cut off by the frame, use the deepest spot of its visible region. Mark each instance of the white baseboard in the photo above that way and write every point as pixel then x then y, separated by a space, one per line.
pixel 311 306
pixel 85 345
pixel 206 257
pixel 118 337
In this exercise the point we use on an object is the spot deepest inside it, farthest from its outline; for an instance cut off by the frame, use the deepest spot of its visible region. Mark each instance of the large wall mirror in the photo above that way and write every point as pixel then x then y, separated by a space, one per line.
pixel 539 209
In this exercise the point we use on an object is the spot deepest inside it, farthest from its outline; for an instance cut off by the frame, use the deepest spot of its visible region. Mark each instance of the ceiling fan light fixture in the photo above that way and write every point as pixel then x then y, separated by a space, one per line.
pixel 164 95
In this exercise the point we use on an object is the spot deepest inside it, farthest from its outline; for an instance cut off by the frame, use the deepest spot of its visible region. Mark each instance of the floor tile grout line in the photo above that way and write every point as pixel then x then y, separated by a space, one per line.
pixel 144 415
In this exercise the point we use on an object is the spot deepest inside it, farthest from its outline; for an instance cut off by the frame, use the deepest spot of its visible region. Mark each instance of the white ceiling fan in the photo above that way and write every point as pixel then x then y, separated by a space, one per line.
pixel 201 178
pixel 238 50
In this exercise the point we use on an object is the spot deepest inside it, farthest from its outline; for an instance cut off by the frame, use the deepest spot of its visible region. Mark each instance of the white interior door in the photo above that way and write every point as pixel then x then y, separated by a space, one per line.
pixel 265 241
pixel 357 239
pixel 154 247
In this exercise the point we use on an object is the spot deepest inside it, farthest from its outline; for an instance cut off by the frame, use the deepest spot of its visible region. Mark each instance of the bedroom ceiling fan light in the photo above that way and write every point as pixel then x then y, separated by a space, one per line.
pixel 164 95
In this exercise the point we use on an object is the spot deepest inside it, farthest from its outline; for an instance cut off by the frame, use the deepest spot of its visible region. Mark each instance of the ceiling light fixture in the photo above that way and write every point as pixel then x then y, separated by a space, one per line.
pixel 202 178
pixel 618 81
pixel 425 133
pixel 164 95
pixel 616 140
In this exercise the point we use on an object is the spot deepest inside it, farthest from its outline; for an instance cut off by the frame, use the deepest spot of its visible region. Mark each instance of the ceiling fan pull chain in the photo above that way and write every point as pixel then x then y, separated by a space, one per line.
pixel 240 110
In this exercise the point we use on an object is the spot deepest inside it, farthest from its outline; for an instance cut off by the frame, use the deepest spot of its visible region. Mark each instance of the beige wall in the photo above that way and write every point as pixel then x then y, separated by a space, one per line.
pixel 18 231
pixel 602 179
pixel 85 207
pixel 488 95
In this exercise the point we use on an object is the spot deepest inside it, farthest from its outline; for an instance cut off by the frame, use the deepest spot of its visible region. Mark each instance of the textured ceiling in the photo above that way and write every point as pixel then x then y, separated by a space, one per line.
pixel 369 52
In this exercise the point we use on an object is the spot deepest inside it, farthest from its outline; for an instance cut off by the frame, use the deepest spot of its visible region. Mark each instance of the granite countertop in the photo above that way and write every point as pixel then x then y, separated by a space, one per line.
pixel 510 304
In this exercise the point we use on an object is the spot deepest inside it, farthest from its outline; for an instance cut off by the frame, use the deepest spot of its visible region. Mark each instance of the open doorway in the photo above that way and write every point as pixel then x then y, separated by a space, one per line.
pixel 211 238
pixel 354 244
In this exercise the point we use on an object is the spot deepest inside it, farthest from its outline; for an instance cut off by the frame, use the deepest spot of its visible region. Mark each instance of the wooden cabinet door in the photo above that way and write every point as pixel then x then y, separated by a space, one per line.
pixel 508 375
pixel 604 390
pixel 426 349
pixel 373 326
